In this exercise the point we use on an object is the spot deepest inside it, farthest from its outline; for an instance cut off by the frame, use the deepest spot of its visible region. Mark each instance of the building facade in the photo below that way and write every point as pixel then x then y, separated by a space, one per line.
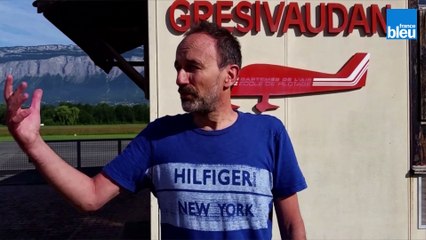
pixel 355 147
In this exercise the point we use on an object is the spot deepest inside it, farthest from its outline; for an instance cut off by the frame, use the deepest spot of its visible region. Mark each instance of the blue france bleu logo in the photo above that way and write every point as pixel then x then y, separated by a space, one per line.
pixel 401 24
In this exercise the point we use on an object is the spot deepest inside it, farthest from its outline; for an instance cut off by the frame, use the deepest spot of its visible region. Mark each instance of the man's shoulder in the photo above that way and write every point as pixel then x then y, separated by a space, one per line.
pixel 260 124
pixel 263 119
pixel 172 118
pixel 169 124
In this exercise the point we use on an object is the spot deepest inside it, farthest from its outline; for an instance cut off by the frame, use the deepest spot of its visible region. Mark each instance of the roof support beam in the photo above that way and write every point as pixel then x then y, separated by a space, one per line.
pixel 129 70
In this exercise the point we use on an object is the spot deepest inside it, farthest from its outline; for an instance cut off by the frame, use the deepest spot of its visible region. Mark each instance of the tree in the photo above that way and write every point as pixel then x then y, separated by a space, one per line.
pixel 104 113
pixel 86 114
pixel 85 117
pixel 124 114
pixel 141 112
pixel 71 114
pixel 63 115
pixel 48 114
pixel 74 115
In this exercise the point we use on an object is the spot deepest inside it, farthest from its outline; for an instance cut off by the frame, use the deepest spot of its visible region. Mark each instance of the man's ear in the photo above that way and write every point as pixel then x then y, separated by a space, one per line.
pixel 231 75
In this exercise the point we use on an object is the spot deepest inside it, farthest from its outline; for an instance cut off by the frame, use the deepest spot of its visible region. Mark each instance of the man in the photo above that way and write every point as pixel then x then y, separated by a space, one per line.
pixel 216 172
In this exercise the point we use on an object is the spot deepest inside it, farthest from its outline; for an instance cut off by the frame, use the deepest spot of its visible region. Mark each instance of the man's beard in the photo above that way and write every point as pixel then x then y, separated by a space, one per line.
pixel 199 104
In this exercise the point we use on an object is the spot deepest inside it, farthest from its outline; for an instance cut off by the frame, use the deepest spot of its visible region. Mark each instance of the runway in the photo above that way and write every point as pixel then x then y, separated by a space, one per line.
pixel 82 153
pixel 31 209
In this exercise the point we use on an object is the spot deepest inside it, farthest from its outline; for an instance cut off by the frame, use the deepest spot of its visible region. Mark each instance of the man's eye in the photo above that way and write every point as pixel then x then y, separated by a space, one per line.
pixel 191 68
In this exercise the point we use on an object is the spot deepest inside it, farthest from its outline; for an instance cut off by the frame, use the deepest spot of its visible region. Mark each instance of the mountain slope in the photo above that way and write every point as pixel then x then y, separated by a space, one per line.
pixel 67 74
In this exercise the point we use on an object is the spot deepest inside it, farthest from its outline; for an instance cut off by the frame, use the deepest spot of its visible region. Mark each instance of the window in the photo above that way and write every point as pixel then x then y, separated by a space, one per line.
pixel 418 95
pixel 418 111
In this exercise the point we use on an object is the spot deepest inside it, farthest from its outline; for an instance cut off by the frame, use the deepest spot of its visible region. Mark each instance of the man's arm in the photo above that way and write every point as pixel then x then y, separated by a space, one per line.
pixel 289 218
pixel 85 193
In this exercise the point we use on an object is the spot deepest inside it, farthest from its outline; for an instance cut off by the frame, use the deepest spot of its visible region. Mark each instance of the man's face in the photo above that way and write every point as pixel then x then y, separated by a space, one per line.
pixel 198 75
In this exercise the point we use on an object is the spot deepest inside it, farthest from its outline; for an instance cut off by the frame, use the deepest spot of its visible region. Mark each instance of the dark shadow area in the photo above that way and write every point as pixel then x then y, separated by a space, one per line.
pixel 31 209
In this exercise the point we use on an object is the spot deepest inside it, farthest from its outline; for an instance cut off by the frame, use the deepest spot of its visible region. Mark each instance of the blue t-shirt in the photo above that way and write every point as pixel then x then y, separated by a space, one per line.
pixel 212 184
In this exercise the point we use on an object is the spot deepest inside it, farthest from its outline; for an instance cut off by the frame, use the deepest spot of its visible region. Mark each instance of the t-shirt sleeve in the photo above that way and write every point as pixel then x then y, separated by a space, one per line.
pixel 128 169
pixel 287 177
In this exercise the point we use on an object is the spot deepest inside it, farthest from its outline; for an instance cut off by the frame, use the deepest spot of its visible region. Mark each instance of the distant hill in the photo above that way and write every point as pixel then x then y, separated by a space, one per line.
pixel 67 74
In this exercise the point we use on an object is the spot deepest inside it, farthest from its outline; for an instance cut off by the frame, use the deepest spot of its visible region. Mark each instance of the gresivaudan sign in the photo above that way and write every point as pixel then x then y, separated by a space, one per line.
pixel 279 17
pixel 262 80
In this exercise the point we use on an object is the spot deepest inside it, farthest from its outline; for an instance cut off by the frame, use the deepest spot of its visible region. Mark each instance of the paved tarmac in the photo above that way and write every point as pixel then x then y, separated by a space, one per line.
pixel 31 209
pixel 92 152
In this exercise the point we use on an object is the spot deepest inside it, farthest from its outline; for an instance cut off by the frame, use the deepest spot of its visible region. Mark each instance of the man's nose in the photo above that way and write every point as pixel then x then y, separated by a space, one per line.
pixel 182 77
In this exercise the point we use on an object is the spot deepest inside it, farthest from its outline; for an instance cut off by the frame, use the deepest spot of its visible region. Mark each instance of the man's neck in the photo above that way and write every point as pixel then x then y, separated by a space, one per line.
pixel 216 120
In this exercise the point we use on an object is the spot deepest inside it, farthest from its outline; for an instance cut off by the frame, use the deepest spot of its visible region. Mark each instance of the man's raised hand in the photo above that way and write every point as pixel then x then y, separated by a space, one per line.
pixel 23 123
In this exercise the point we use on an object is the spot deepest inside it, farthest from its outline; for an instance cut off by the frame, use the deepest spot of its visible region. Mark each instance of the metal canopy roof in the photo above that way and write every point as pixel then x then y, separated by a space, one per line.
pixel 104 29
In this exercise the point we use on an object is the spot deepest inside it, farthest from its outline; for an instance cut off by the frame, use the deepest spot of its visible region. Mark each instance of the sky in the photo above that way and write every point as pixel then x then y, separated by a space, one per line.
pixel 21 25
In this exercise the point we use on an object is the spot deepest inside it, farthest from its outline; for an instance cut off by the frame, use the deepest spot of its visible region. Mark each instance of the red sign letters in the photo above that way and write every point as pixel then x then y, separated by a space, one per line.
pixel 245 16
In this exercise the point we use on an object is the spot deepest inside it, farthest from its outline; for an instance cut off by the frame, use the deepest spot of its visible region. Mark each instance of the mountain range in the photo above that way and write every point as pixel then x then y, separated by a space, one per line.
pixel 67 74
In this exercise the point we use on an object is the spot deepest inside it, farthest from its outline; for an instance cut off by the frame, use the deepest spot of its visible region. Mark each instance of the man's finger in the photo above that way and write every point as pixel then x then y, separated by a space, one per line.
pixel 14 104
pixel 20 116
pixel 36 100
pixel 8 87
pixel 21 99
pixel 17 98
pixel 21 88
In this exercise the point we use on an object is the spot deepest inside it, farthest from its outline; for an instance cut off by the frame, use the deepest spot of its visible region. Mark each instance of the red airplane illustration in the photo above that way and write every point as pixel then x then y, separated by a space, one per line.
pixel 266 80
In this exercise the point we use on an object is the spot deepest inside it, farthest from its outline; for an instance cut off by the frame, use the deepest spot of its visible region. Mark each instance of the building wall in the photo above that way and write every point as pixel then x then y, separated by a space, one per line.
pixel 353 147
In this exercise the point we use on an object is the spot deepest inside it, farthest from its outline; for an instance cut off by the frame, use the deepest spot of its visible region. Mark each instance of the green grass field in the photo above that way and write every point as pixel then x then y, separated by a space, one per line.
pixel 82 132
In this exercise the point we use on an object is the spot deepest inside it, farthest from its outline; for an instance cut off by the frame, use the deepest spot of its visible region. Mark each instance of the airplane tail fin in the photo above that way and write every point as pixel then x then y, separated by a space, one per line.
pixel 352 75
